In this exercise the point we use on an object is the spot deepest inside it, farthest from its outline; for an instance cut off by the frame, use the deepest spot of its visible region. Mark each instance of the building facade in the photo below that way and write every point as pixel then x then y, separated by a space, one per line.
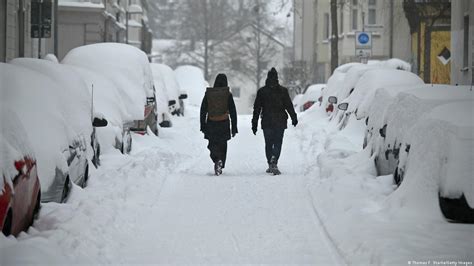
pixel 312 40
pixel 462 42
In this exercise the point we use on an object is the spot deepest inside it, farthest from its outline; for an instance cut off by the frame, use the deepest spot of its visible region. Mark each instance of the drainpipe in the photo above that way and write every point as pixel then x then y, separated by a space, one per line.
pixel 56 34
pixel 391 30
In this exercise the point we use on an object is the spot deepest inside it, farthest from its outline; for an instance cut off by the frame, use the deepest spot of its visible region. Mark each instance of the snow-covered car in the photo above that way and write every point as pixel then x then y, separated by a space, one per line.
pixel 55 143
pixel 297 102
pixel 20 194
pixel 75 98
pixel 311 96
pixel 334 84
pixel 440 163
pixel 191 79
pixel 172 88
pixel 404 112
pixel 128 68
pixel 361 99
pixel 163 103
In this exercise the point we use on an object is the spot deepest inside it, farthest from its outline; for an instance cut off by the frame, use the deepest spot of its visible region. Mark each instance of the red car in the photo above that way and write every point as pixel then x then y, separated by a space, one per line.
pixel 20 195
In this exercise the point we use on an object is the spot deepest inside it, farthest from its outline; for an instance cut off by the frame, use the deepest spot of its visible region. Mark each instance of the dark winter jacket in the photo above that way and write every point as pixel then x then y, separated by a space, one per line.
pixel 273 103
pixel 216 107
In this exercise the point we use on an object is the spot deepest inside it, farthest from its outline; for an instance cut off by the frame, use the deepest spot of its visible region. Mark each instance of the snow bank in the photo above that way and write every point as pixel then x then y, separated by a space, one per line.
pixel 191 79
pixel 126 66
pixel 42 115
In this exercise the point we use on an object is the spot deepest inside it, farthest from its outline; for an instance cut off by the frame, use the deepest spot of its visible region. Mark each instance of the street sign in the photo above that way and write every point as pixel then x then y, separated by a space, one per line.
pixel 363 40
pixel 363 44
pixel 41 19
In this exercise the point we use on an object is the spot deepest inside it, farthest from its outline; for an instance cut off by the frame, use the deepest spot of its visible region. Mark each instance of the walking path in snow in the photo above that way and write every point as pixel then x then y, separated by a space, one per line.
pixel 162 204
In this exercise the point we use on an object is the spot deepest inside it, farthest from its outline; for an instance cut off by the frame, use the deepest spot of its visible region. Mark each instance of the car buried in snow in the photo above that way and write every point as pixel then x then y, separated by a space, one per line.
pixel 440 160
pixel 360 100
pixel 132 78
pixel 402 114
pixel 311 96
pixel 173 90
pixel 191 81
pixel 20 194
pixel 61 152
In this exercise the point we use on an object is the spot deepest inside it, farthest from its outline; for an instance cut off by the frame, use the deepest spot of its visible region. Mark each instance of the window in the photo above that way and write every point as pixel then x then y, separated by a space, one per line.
pixel 236 92
pixel 372 12
pixel 466 42
pixel 326 26
pixel 355 14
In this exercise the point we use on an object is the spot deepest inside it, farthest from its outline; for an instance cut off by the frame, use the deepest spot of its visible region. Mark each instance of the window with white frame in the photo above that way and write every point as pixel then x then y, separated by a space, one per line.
pixel 372 12
pixel 326 26
pixel 355 14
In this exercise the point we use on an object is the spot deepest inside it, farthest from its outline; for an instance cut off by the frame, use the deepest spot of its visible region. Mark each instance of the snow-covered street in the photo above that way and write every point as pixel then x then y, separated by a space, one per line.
pixel 163 204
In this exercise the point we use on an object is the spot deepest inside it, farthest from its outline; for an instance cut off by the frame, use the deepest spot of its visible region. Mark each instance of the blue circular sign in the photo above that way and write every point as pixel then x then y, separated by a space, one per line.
pixel 363 38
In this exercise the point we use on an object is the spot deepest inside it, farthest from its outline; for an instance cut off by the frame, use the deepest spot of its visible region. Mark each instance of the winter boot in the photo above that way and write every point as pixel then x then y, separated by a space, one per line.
pixel 274 167
pixel 218 167
pixel 269 170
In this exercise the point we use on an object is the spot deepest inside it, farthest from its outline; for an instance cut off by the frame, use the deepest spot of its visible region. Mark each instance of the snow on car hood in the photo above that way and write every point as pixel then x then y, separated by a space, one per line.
pixel 130 72
pixel 364 91
pixel 191 79
pixel 28 93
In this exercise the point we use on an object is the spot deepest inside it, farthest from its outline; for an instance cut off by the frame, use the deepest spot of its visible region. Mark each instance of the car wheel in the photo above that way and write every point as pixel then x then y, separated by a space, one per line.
pixel 66 189
pixel 7 226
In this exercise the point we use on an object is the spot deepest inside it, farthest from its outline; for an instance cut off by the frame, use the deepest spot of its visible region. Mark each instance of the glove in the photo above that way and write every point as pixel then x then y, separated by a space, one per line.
pixel 294 122
pixel 254 130
pixel 234 132
pixel 203 129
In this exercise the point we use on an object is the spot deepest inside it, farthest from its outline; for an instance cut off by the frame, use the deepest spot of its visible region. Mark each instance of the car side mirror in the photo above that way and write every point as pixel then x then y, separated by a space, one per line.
pixel 99 122
pixel 150 100
pixel 343 106
pixel 383 131
pixel 183 96
pixel 171 102
pixel 332 99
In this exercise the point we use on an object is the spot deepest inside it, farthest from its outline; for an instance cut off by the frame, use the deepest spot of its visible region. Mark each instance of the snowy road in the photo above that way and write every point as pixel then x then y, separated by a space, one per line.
pixel 163 205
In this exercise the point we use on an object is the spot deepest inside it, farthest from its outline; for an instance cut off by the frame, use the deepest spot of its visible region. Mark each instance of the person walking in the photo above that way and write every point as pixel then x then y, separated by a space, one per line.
pixel 216 107
pixel 274 104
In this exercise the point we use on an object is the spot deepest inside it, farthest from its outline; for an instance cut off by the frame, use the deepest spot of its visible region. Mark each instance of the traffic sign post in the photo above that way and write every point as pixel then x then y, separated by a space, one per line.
pixel 363 45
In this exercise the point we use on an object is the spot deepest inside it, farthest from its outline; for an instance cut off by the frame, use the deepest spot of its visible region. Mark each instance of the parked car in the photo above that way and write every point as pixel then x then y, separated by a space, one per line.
pixel 75 98
pixel 358 103
pixel 172 88
pixel 107 103
pixel 20 194
pixel 191 79
pixel 127 67
pixel 52 138
pixel 163 103
pixel 311 96
pixel 404 112
pixel 440 162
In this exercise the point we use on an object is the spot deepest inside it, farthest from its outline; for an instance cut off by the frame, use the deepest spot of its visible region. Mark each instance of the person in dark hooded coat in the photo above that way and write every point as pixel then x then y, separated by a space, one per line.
pixel 274 104
pixel 216 107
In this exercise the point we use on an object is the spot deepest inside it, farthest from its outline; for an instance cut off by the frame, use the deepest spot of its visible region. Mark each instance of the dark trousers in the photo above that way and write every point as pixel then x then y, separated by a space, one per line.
pixel 218 151
pixel 273 141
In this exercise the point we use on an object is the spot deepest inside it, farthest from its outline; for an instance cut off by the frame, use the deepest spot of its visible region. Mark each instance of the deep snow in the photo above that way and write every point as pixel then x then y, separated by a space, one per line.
pixel 162 204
